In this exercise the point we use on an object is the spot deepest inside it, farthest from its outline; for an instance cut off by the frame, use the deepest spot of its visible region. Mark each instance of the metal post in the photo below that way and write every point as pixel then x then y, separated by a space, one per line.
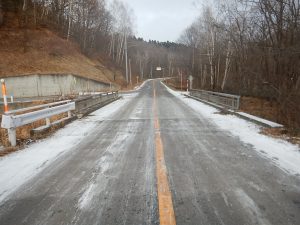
pixel 238 103
pixel 48 122
pixel 126 58
pixel 12 137
pixel 181 81
pixel 69 114
pixel 130 80
pixel 187 85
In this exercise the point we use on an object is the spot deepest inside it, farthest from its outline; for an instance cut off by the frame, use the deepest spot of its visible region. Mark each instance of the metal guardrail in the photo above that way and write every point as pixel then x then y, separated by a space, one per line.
pixel 221 99
pixel 13 119
pixel 17 118
pixel 88 104
pixel 37 107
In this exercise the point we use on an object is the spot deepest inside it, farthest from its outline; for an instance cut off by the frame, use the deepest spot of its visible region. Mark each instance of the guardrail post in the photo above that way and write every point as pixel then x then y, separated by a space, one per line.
pixel 48 121
pixel 69 114
pixel 187 85
pixel 238 103
pixel 12 137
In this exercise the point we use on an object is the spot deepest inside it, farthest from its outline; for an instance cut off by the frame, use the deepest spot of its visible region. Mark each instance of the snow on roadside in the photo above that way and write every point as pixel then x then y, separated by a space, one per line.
pixel 267 122
pixel 142 85
pixel 176 93
pixel 17 168
pixel 285 154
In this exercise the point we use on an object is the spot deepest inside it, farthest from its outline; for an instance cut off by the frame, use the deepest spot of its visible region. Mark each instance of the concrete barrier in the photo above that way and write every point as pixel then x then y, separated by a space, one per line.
pixel 52 85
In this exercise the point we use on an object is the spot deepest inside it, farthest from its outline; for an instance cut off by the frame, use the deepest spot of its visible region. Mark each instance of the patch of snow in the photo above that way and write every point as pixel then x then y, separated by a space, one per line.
pixel 142 85
pixel 288 155
pixel 17 168
pixel 252 208
pixel 87 196
pixel 225 199
pixel 255 186
pixel 104 164
pixel 176 93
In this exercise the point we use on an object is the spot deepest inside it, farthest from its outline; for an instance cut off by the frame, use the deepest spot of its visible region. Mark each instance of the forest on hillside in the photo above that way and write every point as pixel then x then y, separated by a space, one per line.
pixel 98 28
pixel 251 48
pixel 245 47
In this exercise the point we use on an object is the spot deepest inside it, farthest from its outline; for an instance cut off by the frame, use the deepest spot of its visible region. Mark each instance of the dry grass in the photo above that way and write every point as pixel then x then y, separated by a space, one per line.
pixel 8 150
pixel 40 51
pixel 263 108
pixel 282 133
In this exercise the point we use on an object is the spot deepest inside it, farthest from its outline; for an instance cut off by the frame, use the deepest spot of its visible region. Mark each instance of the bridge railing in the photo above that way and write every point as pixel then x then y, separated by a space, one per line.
pixel 88 104
pixel 221 99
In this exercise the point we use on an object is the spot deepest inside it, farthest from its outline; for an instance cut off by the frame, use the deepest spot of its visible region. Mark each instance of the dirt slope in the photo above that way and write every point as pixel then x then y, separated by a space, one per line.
pixel 40 51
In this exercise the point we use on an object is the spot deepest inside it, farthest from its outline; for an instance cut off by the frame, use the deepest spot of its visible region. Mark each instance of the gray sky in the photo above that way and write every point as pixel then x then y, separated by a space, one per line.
pixel 162 20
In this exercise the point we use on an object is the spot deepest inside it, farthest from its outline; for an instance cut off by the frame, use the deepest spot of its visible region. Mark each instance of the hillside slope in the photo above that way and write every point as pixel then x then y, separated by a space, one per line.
pixel 40 51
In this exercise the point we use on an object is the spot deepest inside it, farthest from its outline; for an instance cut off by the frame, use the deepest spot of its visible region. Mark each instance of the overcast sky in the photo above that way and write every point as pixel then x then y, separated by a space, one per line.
pixel 162 20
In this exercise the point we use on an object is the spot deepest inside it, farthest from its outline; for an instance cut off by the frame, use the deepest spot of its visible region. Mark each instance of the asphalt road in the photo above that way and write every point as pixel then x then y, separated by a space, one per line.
pixel 111 176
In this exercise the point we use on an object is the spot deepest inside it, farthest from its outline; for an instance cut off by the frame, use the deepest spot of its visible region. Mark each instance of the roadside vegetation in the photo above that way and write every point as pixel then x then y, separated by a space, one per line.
pixel 249 48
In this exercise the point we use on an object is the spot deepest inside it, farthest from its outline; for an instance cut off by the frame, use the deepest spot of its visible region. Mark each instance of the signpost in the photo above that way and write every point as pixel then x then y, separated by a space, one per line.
pixel 191 81
pixel 161 69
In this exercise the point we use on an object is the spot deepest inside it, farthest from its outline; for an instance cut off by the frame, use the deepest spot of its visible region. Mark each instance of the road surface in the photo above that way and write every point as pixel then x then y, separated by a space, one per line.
pixel 156 161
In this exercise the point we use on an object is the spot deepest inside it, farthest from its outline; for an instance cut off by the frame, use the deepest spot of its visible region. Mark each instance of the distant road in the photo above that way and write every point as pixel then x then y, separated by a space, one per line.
pixel 156 161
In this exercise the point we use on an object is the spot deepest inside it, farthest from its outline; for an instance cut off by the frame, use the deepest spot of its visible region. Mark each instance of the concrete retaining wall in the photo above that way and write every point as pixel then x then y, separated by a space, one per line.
pixel 50 85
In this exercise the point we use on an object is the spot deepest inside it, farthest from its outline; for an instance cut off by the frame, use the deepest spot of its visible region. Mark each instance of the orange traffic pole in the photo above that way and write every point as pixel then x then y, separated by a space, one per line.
pixel 4 95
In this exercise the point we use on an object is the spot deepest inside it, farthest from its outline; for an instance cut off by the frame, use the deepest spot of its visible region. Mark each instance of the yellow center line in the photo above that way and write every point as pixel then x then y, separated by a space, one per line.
pixel 165 204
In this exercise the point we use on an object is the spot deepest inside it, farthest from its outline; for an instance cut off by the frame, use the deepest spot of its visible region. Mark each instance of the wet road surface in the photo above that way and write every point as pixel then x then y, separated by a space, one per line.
pixel 156 151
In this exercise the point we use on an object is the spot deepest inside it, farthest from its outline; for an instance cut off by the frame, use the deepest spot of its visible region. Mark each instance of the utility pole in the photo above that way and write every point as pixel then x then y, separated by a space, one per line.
pixel 69 26
pixel 130 81
pixel 126 58
pixel 181 80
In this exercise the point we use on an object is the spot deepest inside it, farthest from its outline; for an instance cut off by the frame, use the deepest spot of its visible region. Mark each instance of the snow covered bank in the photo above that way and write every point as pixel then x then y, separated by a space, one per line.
pixel 142 85
pixel 19 167
pixel 282 153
